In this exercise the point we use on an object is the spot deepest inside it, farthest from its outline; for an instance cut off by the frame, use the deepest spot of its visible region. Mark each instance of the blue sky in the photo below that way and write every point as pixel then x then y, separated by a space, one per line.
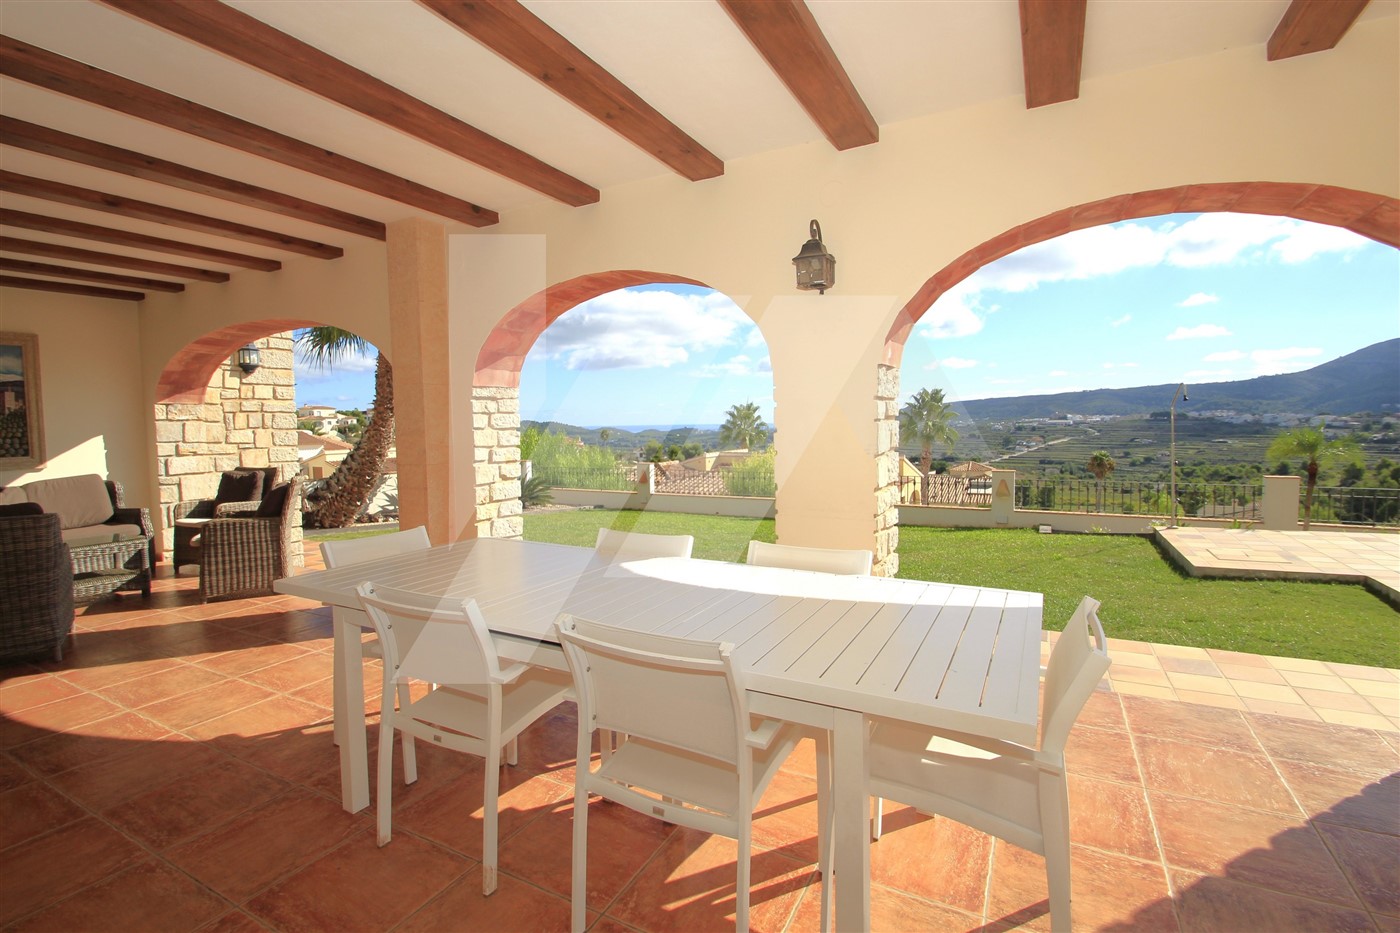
pixel 1195 298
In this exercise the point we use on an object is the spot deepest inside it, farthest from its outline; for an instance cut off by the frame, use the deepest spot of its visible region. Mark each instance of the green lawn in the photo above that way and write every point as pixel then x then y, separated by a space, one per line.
pixel 1144 597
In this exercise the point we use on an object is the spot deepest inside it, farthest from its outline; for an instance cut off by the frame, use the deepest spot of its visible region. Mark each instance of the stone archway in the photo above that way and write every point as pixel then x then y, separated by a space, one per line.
pixel 1371 215
pixel 496 389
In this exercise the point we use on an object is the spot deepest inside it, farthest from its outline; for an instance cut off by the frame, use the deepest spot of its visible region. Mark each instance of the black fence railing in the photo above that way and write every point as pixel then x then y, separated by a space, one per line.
pixel 587 478
pixel 1353 505
pixel 1238 501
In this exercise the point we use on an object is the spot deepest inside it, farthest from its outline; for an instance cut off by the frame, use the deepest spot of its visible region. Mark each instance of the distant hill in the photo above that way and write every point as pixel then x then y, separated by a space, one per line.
pixel 1367 380
pixel 622 439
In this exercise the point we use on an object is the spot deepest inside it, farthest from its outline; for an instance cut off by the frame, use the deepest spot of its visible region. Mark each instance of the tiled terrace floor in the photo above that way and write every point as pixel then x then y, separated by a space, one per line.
pixel 176 772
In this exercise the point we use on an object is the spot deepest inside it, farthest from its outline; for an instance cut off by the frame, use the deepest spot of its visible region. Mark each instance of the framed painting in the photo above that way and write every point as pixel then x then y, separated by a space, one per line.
pixel 21 414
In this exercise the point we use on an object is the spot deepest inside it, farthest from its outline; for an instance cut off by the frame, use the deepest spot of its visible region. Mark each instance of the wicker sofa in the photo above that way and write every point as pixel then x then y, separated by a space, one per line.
pixel 36 586
pixel 191 515
pixel 242 553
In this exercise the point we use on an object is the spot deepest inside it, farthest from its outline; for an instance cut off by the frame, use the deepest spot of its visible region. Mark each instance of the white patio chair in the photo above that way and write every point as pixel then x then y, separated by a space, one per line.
pixel 1007 790
pixel 633 545
pixel 358 551
pixel 473 707
pixel 691 757
pixel 826 560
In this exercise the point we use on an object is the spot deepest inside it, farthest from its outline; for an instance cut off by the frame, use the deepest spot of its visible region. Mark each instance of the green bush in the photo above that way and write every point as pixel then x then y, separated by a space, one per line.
pixel 752 476
pixel 560 460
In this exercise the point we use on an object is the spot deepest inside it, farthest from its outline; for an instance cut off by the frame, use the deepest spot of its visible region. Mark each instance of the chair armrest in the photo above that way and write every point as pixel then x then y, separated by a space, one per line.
pixel 234 509
pixel 192 508
pixel 133 516
pixel 511 674
pixel 763 736
pixel 232 536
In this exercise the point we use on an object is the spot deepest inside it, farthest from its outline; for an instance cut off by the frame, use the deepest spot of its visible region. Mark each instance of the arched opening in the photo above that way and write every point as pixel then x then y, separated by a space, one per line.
pixel 497 400
pixel 1374 216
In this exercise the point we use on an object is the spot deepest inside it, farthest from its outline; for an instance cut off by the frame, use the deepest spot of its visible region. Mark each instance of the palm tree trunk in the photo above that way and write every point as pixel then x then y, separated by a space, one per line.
pixel 925 461
pixel 1308 496
pixel 337 503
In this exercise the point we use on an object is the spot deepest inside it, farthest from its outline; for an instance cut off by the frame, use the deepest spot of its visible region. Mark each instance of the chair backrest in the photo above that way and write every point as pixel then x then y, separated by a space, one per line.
pixel 633 545
pixel 1075 669
pixel 826 560
pixel 442 641
pixel 358 550
pixel 676 691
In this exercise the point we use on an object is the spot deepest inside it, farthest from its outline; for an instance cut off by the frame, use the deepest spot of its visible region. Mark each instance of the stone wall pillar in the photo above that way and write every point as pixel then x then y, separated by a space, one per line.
pixel 1279 510
pixel 496 435
pixel 887 491
pixel 245 420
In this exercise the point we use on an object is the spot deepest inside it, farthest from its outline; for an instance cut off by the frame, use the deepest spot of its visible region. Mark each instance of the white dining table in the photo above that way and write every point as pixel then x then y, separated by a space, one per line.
pixel 825 651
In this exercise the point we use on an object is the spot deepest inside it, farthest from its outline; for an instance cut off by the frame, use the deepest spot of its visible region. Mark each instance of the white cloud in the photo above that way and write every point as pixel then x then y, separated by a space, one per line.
pixel 1198 299
pixel 740 365
pixel 1200 330
pixel 352 363
pixel 1224 356
pixel 631 329
pixel 957 313
pixel 1272 362
pixel 1121 321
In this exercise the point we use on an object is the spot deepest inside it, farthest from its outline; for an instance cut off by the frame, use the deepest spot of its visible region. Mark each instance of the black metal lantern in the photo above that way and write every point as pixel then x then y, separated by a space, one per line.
pixel 816 268
pixel 248 359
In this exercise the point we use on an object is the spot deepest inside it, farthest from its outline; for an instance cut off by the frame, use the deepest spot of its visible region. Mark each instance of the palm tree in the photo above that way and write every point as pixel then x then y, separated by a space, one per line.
pixel 604 435
pixel 742 427
pixel 342 497
pixel 927 419
pixel 1102 466
pixel 1317 452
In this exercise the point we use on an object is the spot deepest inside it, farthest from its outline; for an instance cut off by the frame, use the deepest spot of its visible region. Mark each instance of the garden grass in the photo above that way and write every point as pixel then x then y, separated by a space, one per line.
pixel 1145 598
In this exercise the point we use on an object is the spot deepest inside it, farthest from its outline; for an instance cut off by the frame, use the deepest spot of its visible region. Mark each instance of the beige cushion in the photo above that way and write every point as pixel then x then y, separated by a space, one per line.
pixel 104 532
pixel 13 496
pixel 80 500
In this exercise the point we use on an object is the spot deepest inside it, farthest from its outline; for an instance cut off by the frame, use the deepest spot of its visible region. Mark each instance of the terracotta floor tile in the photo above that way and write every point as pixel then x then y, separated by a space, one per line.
pixel 451 812
pixel 1278 693
pixel 31 810
pixel 1149 691
pixel 180 809
pixel 244 855
pixel 516 905
pixel 135 769
pixel 266 717
pixel 50 867
pixel 1294 711
pixel 1216 774
pixel 1334 795
pixel 892 911
pixel 132 900
pixel 305 670
pixel 1108 891
pixel 1103 710
pixel 1266 849
pixel 1220 700
pixel 1360 720
pixel 1212 904
pixel 1197 683
pixel 1102 754
pixel 689 885
pixel 1200 667
pixel 1371 861
pixel 87 744
pixel 1238 658
pixel 1327 745
pixel 235 921
pixel 197 706
pixel 1363 672
pixel 401 877
pixel 1373 688
pixel 59 716
pixel 786 817
pixel 19 695
pixel 11 774
pixel 176 680
pixel 620 842
pixel 106 675
pixel 1183 722
pixel 933 858
pixel 1251 674
pixel 1110 816
pixel 252 658
pixel 305 756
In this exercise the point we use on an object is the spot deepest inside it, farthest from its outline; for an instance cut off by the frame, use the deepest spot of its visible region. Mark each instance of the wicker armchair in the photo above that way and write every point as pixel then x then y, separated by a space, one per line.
pixel 188 535
pixel 36 587
pixel 242 554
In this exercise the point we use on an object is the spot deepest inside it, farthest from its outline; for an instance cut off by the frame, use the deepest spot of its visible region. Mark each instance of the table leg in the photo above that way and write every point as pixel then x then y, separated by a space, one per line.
pixel 850 748
pixel 348 691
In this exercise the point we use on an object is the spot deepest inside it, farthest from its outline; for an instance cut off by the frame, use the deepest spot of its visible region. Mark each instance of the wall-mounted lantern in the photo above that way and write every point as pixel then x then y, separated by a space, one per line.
pixel 248 359
pixel 816 268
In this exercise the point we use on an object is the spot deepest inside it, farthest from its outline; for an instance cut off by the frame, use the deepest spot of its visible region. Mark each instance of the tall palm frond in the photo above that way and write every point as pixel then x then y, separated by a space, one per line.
pixel 927 419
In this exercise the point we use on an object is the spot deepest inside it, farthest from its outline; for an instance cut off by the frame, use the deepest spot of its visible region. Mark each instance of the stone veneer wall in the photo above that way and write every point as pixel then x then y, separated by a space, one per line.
pixel 244 421
pixel 887 494
pixel 496 436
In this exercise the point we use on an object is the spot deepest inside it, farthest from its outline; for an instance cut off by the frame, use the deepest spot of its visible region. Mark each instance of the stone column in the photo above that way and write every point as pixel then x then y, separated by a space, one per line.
pixel 887 494
pixel 1003 496
pixel 1279 510
pixel 496 436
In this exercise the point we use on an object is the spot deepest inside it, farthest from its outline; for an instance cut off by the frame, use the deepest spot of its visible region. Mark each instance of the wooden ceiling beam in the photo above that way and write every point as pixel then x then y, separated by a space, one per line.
pixel 53 72
pixel 527 42
pixel 29 186
pixel 787 36
pixel 69 288
pixel 1312 26
pixel 11 244
pixel 249 40
pixel 87 275
pixel 1052 49
pixel 58 144
pixel 74 228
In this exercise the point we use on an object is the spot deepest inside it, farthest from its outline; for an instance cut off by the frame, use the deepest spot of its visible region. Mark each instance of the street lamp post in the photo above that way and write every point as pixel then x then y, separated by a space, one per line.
pixel 1180 394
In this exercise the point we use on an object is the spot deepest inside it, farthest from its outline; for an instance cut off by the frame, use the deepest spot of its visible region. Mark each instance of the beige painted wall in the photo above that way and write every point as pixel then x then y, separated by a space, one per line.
pixel 94 419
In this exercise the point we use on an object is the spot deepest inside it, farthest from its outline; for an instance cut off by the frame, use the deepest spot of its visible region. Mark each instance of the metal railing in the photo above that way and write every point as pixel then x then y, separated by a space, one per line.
pixel 1353 505
pixel 586 478
pixel 1239 501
